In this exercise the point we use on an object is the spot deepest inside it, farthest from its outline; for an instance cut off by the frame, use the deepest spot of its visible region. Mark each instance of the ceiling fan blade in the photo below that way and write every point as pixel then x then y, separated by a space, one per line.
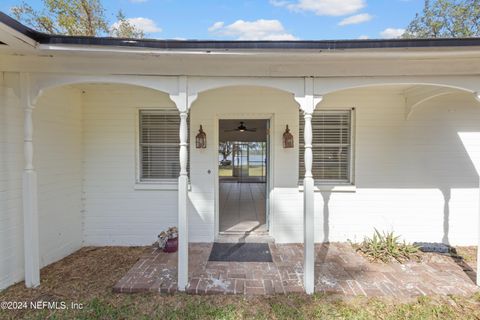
pixel 241 128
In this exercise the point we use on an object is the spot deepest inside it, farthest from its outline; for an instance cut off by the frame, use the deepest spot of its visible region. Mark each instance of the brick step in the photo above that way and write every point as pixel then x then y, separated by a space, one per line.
pixel 234 237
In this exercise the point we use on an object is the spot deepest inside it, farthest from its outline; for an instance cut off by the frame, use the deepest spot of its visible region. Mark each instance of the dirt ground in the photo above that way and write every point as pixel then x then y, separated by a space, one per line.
pixel 87 276
pixel 469 254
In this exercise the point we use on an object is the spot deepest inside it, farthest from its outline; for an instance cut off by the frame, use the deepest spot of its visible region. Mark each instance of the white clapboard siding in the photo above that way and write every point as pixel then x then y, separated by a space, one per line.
pixel 237 103
pixel 11 165
pixel 57 159
pixel 412 176
pixel 58 152
pixel 115 212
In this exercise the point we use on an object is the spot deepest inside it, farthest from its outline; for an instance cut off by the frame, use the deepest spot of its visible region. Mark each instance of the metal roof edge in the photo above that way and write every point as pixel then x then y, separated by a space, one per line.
pixel 326 45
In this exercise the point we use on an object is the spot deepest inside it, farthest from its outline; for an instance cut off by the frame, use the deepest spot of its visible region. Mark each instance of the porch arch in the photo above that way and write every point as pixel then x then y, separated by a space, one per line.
pixel 39 84
pixel 325 86
pixel 415 93
pixel 199 85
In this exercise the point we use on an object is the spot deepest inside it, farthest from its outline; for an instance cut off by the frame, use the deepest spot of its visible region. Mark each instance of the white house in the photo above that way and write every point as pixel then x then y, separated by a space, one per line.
pixel 98 143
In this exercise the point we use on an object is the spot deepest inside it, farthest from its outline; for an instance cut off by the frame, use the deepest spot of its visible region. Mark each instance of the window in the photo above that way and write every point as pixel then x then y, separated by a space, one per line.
pixel 331 146
pixel 159 145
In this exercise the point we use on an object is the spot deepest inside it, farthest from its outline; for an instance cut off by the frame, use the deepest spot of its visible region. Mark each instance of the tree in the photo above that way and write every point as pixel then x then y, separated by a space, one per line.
pixel 225 149
pixel 446 19
pixel 124 29
pixel 74 18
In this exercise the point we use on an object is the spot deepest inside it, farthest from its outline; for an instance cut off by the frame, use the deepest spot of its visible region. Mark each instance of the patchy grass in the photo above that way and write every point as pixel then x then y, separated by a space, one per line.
pixel 88 275
pixel 469 254
pixel 181 306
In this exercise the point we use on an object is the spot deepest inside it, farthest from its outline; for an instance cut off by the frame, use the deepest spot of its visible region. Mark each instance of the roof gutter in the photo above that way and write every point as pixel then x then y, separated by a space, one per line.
pixel 222 45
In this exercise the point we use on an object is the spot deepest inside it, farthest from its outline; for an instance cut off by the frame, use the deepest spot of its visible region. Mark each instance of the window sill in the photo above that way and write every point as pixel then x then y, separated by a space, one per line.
pixel 167 185
pixel 155 186
pixel 331 188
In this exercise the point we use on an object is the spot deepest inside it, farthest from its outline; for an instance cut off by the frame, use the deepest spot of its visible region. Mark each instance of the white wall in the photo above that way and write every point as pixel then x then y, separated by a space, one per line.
pixel 115 212
pixel 237 103
pixel 57 122
pixel 11 165
pixel 57 159
pixel 118 214
pixel 413 176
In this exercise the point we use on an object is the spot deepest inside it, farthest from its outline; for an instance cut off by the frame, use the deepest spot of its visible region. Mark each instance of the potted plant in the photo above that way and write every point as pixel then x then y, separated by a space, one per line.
pixel 168 240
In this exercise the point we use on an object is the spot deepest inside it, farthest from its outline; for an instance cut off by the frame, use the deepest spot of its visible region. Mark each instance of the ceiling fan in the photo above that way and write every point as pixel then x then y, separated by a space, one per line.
pixel 242 128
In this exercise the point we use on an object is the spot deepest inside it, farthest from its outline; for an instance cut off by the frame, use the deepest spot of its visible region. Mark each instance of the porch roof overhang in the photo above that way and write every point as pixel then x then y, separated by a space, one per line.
pixel 226 45
pixel 43 40
pixel 27 50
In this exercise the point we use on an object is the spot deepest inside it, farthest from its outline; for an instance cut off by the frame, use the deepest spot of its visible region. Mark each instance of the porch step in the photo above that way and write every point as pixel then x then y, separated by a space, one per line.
pixel 236 237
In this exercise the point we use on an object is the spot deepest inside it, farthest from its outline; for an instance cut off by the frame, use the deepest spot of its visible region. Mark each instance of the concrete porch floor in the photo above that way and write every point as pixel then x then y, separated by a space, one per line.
pixel 339 270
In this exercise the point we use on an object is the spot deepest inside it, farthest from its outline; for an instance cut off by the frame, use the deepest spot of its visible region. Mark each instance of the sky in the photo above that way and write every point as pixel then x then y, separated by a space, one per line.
pixel 261 19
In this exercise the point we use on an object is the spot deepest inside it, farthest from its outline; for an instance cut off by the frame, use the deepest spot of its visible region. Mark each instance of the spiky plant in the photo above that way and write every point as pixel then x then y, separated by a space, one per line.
pixel 387 247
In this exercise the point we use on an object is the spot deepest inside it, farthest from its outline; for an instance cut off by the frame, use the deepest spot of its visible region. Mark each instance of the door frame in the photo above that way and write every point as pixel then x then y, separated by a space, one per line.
pixel 270 163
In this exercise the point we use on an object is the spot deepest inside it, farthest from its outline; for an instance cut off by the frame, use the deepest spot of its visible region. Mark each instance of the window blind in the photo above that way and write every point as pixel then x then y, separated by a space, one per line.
pixel 331 146
pixel 159 144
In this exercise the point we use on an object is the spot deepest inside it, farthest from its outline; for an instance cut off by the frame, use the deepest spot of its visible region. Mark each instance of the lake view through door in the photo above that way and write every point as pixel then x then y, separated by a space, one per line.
pixel 243 167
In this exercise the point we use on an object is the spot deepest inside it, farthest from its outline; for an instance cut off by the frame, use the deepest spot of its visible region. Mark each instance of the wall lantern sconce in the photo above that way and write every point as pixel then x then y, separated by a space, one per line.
pixel 287 138
pixel 201 139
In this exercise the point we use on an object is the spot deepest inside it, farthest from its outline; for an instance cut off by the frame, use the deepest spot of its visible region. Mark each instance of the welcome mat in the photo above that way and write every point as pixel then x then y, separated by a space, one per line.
pixel 240 252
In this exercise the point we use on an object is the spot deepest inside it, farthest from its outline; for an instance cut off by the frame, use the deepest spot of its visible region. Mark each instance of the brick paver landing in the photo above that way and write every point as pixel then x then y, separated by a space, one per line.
pixel 339 270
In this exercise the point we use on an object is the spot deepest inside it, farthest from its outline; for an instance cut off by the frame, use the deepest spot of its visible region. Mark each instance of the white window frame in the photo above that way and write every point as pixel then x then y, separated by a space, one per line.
pixel 150 184
pixel 335 185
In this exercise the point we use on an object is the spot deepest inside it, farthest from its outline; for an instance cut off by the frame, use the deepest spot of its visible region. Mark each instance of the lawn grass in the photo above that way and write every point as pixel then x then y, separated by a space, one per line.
pixel 88 275
pixel 294 306
pixel 253 171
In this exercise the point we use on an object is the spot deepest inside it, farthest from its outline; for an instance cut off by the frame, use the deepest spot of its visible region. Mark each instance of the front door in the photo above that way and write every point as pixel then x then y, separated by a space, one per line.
pixel 243 167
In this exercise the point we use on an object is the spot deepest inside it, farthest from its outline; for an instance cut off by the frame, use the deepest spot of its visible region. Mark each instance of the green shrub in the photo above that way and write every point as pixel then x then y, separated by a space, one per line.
pixel 386 247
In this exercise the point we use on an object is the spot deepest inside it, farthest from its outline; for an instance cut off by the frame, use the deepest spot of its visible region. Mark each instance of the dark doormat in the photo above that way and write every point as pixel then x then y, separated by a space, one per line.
pixel 240 252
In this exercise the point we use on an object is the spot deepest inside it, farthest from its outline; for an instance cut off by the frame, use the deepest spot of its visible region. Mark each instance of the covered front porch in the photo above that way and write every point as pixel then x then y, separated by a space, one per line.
pixel 109 190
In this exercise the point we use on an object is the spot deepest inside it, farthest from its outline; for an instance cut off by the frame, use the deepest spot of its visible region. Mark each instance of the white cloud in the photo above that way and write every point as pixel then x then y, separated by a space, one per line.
pixel 391 33
pixel 323 7
pixel 252 30
pixel 216 26
pixel 144 24
pixel 356 19
pixel 279 3
pixel 363 37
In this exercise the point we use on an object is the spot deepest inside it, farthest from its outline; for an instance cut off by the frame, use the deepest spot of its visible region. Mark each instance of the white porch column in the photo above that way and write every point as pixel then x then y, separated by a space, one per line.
pixel 308 209
pixel 478 243
pixel 30 203
pixel 183 100
pixel 182 206
pixel 477 96
pixel 307 104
